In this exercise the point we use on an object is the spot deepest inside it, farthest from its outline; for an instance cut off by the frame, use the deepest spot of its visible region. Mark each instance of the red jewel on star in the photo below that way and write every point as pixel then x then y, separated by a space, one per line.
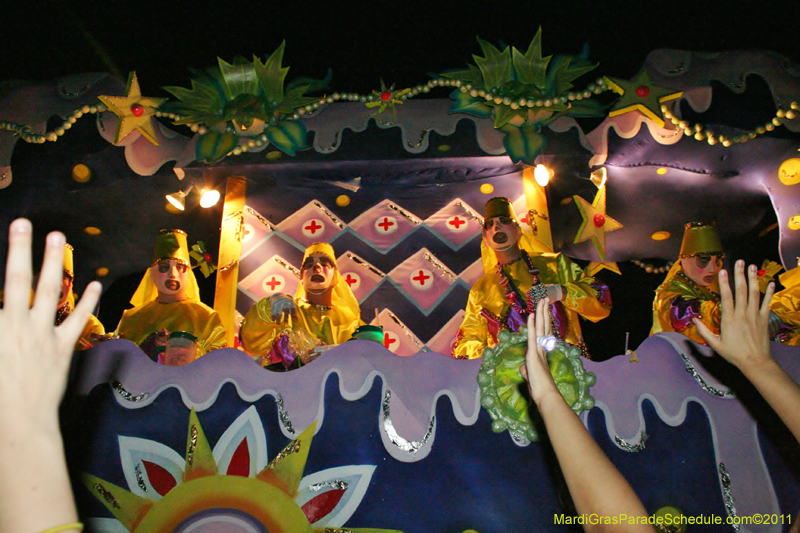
pixel 761 273
pixel 642 91
pixel 207 258
pixel 137 110
pixel 385 96
pixel 599 220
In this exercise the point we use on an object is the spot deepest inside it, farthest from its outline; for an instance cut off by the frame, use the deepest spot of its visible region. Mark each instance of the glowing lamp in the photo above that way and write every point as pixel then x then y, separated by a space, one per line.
pixel 542 175
pixel 209 197
pixel 178 200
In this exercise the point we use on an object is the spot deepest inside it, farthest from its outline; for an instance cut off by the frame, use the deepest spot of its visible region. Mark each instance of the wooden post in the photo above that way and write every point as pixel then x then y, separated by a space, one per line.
pixel 230 247
pixel 538 212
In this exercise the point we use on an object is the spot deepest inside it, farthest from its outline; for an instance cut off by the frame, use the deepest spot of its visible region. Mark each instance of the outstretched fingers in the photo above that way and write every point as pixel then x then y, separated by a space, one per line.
pixel 49 287
pixel 70 330
pixel 16 294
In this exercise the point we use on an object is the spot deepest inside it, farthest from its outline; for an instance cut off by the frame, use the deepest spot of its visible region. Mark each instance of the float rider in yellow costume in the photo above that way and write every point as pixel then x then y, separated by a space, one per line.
pixel 518 272
pixel 691 288
pixel 168 300
pixel 784 319
pixel 94 329
pixel 324 309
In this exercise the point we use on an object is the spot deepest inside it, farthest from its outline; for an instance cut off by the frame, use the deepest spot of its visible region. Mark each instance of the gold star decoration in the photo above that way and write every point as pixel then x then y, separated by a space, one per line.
pixel 596 223
pixel 596 266
pixel 135 111
pixel 639 94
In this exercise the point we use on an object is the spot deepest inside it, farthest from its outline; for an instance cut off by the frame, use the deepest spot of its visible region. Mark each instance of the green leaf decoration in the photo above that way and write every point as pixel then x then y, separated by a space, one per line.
pixel 239 78
pixel 294 98
pixel 503 114
pixel 271 74
pixel 495 67
pixel 563 70
pixel 464 103
pixel 531 68
pixel 587 108
pixel 288 136
pixel 504 393
pixel 202 104
pixel 244 108
pixel 523 143
pixel 213 146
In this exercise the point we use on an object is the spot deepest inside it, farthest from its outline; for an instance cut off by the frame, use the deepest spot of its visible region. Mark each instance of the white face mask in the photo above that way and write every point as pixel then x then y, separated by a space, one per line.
pixel 170 277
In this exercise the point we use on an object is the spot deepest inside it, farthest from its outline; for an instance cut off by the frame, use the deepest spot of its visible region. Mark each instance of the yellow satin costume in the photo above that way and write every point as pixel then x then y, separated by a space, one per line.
pixel 190 315
pixel 193 317
pixel 679 299
pixel 786 304
pixel 93 325
pixel 331 325
pixel 583 297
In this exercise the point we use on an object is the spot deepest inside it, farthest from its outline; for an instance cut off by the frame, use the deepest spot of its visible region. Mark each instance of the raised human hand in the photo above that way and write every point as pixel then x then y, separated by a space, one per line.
pixel 744 321
pixel 536 369
pixel 35 354
pixel 281 306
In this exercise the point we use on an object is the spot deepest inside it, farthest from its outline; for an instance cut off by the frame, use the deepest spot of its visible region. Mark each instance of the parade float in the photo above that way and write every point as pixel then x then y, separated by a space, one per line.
pixel 397 435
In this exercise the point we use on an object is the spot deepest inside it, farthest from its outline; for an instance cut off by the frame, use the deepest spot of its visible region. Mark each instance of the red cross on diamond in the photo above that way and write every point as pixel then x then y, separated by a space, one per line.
pixel 421 279
pixel 386 225
pixel 273 283
pixel 313 228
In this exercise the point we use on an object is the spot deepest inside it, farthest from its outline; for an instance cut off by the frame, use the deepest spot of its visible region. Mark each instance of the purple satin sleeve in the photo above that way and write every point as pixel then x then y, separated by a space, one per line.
pixel 280 352
pixel 603 292
pixel 516 320
pixel 681 312
pixel 785 332
pixel 560 319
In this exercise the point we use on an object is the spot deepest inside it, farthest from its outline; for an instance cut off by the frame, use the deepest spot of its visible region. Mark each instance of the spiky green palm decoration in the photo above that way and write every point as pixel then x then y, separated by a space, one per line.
pixel 243 100
pixel 522 93
pixel 504 394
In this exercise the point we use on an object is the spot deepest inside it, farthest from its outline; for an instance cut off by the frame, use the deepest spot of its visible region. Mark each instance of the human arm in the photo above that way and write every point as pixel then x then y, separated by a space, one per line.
pixel 595 484
pixel 744 342
pixel 35 492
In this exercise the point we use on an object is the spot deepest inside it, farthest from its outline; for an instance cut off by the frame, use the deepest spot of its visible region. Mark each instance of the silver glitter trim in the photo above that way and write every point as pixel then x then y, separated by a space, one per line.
pixel 255 214
pixel 283 415
pixel 408 216
pixel 337 484
pixel 422 136
pixel 107 495
pixel 353 257
pixel 409 446
pixel 727 497
pixel 230 265
pixel 333 218
pixel 435 263
pixel 139 478
pixel 288 267
pixel 705 386
pixel 632 448
pixel 239 216
pixel 404 328
pixel 472 214
pixel 192 445
pixel 117 386
pixel 333 147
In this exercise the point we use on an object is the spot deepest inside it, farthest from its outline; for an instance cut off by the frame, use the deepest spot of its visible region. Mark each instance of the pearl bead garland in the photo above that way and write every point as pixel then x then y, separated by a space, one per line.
pixel 699 133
